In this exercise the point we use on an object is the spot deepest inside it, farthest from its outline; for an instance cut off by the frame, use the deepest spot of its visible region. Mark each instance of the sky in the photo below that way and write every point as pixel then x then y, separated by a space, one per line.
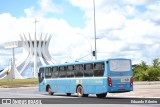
pixel 124 28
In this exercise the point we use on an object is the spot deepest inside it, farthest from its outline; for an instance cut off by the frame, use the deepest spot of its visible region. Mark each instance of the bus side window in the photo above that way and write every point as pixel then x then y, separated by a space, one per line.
pixel 78 70
pixel 48 72
pixel 98 69
pixel 88 70
pixel 62 71
pixel 54 72
pixel 70 71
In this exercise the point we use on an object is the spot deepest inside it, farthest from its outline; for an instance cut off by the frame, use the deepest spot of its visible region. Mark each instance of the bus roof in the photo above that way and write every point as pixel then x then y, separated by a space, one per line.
pixel 83 62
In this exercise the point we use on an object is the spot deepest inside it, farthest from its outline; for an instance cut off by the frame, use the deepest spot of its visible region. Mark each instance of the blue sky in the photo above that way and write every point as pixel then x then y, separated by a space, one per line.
pixel 16 9
pixel 126 28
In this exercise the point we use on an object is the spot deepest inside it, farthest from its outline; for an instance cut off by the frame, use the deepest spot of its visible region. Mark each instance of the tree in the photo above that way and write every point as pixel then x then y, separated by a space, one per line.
pixel 136 70
pixel 153 74
pixel 143 65
pixel 139 71
pixel 156 63
pixel 143 72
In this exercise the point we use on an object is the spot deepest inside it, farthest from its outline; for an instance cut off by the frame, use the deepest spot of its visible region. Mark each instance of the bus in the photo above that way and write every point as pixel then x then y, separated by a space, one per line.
pixel 83 78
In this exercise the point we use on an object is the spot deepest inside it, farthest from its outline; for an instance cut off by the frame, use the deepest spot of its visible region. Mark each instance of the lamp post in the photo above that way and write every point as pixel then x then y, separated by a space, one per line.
pixel 95 52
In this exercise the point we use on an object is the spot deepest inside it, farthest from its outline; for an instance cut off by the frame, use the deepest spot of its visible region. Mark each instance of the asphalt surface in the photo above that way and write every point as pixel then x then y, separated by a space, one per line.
pixel 145 92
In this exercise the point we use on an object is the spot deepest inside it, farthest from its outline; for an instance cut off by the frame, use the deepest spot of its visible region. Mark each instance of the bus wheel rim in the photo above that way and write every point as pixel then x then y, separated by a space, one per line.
pixel 49 90
pixel 80 91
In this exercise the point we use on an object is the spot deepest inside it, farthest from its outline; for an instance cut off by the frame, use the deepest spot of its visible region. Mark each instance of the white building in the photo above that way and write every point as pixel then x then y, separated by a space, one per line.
pixel 37 55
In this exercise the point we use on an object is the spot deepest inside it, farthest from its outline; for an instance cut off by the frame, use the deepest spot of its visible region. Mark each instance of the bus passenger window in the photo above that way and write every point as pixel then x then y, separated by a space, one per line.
pixel 88 70
pixel 78 70
pixel 62 72
pixel 54 72
pixel 98 69
pixel 48 72
pixel 70 71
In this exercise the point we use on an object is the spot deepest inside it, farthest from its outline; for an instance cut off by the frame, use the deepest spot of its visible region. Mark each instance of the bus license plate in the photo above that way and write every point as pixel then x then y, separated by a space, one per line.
pixel 125 79
pixel 121 86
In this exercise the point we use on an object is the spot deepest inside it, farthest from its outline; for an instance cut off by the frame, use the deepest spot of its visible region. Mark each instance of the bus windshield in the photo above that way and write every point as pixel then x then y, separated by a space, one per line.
pixel 118 65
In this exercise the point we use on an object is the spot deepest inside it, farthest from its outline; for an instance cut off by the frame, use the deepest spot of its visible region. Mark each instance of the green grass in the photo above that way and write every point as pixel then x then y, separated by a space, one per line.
pixel 9 83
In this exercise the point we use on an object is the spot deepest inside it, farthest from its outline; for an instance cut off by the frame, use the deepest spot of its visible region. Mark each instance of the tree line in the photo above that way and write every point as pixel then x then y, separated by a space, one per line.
pixel 144 72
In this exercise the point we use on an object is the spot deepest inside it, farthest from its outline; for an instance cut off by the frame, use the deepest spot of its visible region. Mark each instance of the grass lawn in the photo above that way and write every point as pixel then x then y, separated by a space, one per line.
pixel 9 83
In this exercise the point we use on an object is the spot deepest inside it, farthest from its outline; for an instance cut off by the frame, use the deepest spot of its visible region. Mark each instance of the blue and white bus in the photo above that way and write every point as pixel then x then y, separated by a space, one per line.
pixel 93 77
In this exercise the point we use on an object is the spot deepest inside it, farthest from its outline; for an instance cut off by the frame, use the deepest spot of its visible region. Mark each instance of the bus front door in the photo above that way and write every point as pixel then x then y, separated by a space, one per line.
pixel 41 81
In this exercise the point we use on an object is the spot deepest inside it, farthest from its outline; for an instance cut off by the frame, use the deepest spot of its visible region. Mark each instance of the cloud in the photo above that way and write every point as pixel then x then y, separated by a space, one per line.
pixel 7 23
pixel 66 43
pixel 29 12
pixel 45 7
pixel 152 10
pixel 48 6
pixel 123 30
pixel 135 2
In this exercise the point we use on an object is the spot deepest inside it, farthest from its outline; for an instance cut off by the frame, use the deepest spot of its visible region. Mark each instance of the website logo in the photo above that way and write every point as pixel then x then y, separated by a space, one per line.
pixel 6 101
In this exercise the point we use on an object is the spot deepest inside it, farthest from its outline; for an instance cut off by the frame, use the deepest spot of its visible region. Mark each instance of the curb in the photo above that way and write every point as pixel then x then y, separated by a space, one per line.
pixel 146 83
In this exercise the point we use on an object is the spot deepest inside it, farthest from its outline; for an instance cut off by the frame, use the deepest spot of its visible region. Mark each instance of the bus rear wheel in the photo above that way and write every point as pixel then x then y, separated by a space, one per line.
pixel 80 91
pixel 85 95
pixel 103 95
pixel 49 90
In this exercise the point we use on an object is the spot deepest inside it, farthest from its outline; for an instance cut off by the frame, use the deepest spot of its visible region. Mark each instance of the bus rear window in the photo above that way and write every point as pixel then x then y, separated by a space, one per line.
pixel 120 65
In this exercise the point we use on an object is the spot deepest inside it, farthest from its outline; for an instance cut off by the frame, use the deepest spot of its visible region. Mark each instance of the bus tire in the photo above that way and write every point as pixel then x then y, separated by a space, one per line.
pixel 49 90
pixel 80 91
pixel 68 94
pixel 103 95
pixel 85 95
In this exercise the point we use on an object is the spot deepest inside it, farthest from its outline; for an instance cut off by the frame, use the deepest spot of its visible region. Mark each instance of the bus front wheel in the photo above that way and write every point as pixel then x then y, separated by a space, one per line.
pixel 49 90
pixel 103 95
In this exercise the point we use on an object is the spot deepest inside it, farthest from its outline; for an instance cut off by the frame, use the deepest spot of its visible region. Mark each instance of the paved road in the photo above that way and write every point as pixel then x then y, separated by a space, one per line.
pixel 140 91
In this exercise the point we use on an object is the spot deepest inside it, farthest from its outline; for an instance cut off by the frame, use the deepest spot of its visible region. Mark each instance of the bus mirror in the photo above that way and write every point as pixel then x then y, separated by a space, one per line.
pixel 38 74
